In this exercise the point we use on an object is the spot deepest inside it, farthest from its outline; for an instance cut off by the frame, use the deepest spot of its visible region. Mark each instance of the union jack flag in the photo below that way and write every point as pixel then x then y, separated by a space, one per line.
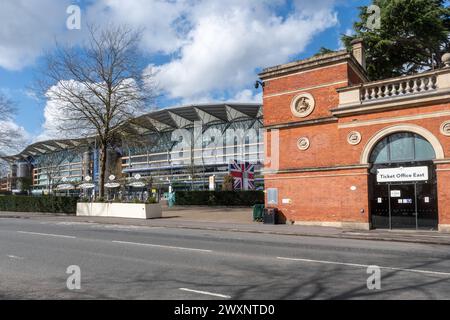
pixel 243 175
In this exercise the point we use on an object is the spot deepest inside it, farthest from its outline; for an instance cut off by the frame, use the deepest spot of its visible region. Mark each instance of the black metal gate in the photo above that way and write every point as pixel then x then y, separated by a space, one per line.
pixel 404 205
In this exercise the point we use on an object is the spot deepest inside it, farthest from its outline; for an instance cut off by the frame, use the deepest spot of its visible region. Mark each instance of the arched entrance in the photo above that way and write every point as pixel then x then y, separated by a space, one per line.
pixel 402 182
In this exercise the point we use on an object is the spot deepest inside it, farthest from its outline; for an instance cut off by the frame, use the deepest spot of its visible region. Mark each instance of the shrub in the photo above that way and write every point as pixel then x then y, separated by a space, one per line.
pixel 219 198
pixel 45 204
pixel 151 200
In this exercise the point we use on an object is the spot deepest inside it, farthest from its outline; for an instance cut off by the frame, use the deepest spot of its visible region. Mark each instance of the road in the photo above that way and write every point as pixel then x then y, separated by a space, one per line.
pixel 125 262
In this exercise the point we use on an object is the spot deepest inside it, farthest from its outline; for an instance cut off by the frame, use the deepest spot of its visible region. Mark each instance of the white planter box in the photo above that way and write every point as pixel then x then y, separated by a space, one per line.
pixel 120 210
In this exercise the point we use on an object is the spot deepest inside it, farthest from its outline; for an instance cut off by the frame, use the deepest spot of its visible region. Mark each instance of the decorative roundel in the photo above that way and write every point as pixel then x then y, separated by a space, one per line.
pixel 354 138
pixel 303 143
pixel 445 128
pixel 303 105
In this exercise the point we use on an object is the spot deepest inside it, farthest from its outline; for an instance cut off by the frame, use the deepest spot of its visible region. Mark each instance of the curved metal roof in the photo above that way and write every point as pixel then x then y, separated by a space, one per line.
pixel 167 119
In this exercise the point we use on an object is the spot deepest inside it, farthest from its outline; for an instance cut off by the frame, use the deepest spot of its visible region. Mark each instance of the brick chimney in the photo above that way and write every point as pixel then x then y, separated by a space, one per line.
pixel 359 52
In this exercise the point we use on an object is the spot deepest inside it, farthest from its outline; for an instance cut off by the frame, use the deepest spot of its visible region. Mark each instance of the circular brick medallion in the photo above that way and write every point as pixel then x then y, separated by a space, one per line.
pixel 303 143
pixel 445 128
pixel 303 105
pixel 354 138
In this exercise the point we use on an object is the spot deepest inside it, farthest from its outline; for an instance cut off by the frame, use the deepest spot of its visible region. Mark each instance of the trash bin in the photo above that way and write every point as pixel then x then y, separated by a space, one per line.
pixel 270 216
pixel 258 212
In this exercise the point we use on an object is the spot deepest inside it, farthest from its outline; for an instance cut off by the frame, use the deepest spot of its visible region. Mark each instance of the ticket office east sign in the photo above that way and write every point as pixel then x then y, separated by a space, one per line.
pixel 402 174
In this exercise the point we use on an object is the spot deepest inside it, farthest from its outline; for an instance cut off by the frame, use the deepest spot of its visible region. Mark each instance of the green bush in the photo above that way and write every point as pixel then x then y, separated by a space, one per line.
pixel 45 204
pixel 219 198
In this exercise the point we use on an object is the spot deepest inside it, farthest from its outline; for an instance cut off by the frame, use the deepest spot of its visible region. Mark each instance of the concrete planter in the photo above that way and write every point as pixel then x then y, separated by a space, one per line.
pixel 120 210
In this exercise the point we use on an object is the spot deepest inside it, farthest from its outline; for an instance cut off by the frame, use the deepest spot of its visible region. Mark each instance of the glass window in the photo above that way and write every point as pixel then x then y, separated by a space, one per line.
pixel 424 149
pixel 380 153
pixel 402 147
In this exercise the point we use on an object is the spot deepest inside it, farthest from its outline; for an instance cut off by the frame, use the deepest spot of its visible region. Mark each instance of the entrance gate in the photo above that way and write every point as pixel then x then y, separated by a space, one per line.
pixel 403 195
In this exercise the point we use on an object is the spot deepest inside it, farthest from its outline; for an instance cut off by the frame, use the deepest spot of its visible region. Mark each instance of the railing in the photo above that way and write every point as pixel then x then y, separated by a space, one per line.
pixel 401 87
pixel 432 82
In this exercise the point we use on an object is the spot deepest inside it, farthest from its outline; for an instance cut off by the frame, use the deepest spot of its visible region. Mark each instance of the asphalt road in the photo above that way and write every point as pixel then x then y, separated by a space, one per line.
pixel 125 262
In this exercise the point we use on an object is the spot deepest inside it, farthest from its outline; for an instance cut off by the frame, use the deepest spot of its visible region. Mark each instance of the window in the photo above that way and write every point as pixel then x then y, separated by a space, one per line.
pixel 402 147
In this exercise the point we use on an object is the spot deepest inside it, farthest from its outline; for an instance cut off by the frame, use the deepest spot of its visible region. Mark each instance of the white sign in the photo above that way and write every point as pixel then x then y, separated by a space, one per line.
pixel 137 176
pixel 87 178
pixel 112 185
pixel 402 174
pixel 137 185
pixel 286 201
pixel 87 186
pixel 112 177
pixel 212 183
pixel 65 187
pixel 396 193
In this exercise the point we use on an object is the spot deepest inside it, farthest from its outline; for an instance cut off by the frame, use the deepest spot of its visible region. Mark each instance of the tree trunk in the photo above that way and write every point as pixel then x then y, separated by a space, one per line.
pixel 103 155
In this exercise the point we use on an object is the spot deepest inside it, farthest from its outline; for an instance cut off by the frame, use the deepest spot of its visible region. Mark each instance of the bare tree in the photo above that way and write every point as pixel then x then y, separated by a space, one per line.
pixel 99 86
pixel 10 135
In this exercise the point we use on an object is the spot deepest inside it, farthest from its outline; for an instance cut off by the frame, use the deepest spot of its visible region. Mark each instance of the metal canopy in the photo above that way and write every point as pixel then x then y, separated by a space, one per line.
pixel 164 120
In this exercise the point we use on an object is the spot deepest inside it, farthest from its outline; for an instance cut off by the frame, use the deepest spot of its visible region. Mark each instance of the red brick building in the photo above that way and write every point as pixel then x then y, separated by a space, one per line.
pixel 355 153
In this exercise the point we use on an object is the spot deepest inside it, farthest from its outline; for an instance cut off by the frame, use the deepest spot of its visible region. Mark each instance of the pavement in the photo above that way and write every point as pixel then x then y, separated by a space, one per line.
pixel 38 258
pixel 240 220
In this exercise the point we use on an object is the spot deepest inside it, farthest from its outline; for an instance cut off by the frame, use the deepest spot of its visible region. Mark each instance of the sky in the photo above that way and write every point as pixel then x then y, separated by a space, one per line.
pixel 204 50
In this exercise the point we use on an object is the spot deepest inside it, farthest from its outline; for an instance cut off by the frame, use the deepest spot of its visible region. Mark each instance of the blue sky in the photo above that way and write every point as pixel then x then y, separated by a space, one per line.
pixel 205 50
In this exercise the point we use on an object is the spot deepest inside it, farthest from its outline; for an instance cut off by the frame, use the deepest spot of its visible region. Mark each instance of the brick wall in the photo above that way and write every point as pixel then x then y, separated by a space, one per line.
pixel 318 182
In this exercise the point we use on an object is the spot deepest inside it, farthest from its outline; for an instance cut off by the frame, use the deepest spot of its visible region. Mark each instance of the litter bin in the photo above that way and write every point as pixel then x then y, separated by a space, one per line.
pixel 270 216
pixel 258 212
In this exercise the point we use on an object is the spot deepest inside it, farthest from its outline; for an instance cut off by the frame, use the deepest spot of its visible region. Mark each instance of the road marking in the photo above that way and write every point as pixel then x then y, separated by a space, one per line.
pixel 47 234
pixel 365 266
pixel 161 246
pixel 206 293
pixel 15 257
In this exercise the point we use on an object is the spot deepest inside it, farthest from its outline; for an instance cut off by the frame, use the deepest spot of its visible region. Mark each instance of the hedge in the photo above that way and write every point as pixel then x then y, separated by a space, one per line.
pixel 45 204
pixel 219 198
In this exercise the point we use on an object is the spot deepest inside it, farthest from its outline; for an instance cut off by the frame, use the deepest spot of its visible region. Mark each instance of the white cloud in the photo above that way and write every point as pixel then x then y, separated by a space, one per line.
pixel 162 22
pixel 230 40
pixel 27 28
pixel 248 96
pixel 214 48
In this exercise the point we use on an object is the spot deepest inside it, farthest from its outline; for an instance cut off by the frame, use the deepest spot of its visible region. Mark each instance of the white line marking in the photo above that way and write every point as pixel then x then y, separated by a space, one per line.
pixel 15 257
pixel 47 234
pixel 161 246
pixel 206 293
pixel 365 266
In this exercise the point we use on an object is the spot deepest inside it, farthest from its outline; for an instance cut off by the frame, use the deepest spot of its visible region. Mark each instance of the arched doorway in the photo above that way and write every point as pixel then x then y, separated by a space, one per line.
pixel 402 183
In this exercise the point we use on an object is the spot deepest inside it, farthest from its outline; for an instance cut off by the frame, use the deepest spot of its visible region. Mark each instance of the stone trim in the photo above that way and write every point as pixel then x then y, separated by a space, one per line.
pixel 304 89
pixel 312 63
pixel 442 161
pixel 316 176
pixel 365 155
pixel 303 123
pixel 332 224
pixel 358 123
pixel 393 104
pixel 318 169
pixel 444 228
